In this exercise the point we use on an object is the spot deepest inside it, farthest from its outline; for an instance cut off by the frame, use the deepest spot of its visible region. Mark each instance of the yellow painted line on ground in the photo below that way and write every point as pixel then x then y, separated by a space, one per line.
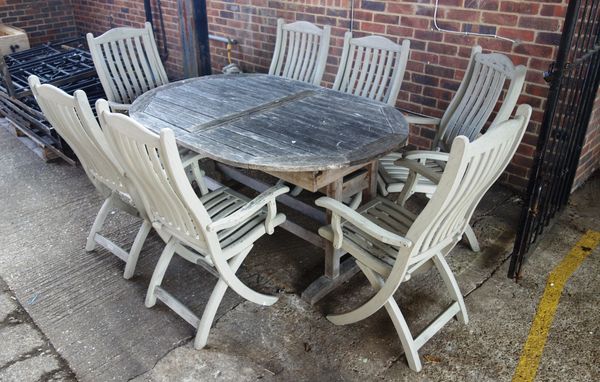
pixel 534 346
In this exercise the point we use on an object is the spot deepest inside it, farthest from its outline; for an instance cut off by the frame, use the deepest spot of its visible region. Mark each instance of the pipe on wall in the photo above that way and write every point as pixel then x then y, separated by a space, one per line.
pixel 164 53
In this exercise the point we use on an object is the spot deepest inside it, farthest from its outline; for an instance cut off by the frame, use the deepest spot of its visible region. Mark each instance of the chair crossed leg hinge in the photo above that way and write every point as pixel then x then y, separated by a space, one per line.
pixel 130 258
pixel 155 291
pixel 410 344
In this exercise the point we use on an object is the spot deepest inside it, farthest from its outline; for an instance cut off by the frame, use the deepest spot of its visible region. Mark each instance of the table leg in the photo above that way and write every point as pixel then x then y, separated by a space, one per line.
pixel 371 191
pixel 336 272
pixel 332 256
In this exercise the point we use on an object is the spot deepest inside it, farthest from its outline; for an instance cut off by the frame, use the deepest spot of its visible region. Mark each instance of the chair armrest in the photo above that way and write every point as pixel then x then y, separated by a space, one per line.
pixel 419 120
pixel 267 198
pixel 339 210
pixel 116 107
pixel 426 154
pixel 420 169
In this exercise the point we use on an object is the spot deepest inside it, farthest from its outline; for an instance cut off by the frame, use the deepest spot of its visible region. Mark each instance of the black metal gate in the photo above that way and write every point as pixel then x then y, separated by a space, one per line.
pixel 574 79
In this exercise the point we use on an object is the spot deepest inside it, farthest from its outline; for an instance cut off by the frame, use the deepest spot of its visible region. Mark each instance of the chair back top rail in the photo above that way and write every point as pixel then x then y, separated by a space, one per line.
pixel 301 50
pixel 477 96
pixel 127 62
pixel 372 67
pixel 74 120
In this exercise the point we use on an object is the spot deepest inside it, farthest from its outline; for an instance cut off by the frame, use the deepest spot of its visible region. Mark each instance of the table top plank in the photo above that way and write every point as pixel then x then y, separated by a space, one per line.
pixel 176 114
pixel 272 124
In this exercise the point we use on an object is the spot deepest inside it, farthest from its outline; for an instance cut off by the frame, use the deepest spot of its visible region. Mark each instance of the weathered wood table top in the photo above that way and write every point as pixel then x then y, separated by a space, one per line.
pixel 270 123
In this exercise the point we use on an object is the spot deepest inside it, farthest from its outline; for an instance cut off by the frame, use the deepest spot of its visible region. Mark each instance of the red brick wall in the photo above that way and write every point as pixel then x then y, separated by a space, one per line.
pixel 589 160
pixel 98 16
pixel 437 59
pixel 43 20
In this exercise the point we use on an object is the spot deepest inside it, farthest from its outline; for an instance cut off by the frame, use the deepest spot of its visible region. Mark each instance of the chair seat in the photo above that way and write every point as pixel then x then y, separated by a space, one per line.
pixel 396 176
pixel 375 254
pixel 223 202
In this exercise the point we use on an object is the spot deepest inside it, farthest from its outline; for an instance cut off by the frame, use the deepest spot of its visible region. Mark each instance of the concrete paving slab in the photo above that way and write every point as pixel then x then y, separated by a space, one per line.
pixel 7 305
pixel 17 340
pixel 40 368
pixel 27 353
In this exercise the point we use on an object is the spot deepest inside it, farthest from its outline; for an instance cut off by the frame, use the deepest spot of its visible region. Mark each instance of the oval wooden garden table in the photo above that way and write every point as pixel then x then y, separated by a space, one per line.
pixel 312 137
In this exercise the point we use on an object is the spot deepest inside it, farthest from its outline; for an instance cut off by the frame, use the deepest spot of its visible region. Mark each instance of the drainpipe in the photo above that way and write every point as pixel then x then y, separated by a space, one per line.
pixel 201 17
pixel 148 10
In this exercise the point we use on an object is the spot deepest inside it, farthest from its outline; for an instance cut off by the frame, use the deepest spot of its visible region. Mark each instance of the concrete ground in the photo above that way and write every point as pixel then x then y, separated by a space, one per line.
pixel 67 314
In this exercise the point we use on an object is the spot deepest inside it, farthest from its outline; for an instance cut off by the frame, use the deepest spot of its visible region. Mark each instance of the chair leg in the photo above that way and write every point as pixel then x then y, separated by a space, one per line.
pixel 407 190
pixel 381 186
pixel 410 349
pixel 136 248
pixel 471 238
pixel 239 287
pixel 199 177
pixel 296 191
pixel 159 271
pixel 406 338
pixel 452 286
pixel 213 304
pixel 99 222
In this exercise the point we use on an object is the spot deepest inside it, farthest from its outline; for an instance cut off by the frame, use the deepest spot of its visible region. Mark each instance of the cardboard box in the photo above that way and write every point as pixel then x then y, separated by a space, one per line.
pixel 12 39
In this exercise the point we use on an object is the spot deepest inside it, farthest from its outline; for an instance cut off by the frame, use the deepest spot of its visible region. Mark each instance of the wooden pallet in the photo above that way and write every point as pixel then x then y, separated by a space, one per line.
pixel 36 144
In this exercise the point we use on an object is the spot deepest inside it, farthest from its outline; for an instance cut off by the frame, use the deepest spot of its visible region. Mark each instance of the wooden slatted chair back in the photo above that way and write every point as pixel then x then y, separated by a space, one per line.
pixel 300 51
pixel 74 120
pixel 472 169
pixel 155 168
pixel 127 62
pixel 372 67
pixel 478 94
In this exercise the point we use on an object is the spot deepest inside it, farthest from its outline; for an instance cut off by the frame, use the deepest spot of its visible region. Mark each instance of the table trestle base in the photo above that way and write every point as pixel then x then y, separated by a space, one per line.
pixel 324 285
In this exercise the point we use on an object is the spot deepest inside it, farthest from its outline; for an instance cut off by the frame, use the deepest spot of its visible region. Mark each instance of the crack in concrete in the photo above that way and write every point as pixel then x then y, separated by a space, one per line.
pixel 499 205
pixel 57 375
pixel 176 345
pixel 44 349
pixel 491 275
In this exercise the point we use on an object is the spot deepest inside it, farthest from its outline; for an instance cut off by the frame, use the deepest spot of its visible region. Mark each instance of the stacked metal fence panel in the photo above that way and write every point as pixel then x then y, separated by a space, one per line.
pixel 67 65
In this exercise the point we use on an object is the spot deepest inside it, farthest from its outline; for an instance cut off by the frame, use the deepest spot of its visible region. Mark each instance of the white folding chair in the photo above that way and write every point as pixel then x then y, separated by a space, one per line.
pixel 466 115
pixel 216 231
pixel 390 243
pixel 300 51
pixel 372 67
pixel 74 120
pixel 128 63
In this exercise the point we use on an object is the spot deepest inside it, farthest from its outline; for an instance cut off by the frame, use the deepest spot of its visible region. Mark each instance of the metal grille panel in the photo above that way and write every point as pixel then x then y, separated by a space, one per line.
pixel 574 79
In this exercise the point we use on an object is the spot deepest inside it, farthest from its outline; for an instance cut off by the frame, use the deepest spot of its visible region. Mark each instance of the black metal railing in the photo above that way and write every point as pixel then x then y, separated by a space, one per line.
pixel 574 80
